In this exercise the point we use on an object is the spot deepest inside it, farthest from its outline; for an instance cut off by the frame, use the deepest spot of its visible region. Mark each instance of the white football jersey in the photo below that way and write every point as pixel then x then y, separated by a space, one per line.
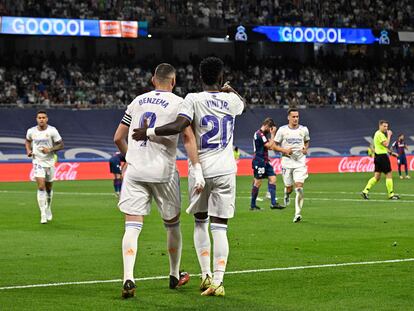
pixel 41 139
pixel 295 139
pixel 212 115
pixel 152 160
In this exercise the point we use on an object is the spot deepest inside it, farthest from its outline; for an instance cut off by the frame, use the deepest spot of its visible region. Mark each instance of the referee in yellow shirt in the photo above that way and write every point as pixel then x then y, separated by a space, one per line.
pixel 382 163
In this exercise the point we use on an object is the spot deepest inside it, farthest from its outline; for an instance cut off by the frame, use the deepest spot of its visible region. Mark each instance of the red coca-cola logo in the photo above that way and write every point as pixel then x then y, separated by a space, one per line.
pixel 351 165
pixel 64 171
pixel 277 165
pixel 411 166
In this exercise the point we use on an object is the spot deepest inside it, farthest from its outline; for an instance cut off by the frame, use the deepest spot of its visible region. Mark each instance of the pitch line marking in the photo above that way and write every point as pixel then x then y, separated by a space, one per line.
pixel 347 200
pixel 151 278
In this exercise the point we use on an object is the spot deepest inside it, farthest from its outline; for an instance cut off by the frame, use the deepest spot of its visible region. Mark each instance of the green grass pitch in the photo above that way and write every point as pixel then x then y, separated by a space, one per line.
pixel 83 243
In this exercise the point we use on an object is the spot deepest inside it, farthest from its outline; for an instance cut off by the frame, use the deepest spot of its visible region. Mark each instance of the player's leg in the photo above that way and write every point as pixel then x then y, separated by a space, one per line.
pixel 287 175
pixel 221 207
pixel 135 203
pixel 42 198
pixel 49 197
pixel 373 180
pixel 201 236
pixel 405 167
pixel 133 227
pixel 399 166
pixel 257 182
pixel 390 186
pixel 299 176
pixel 168 199
pixel 271 185
pixel 49 178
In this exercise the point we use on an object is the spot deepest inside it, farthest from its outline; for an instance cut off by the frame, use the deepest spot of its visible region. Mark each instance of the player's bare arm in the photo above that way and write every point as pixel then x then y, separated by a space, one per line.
pixel 306 147
pixel 190 145
pixel 172 128
pixel 276 147
pixel 28 145
pixel 120 138
pixel 56 147
pixel 227 88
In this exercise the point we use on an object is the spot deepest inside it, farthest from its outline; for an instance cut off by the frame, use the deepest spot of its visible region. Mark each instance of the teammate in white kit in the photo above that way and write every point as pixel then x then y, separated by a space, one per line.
pixel 294 168
pixel 42 141
pixel 211 114
pixel 152 173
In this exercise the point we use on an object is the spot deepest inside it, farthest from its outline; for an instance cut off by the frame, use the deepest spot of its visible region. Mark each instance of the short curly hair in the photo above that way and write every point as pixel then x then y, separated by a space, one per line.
pixel 210 70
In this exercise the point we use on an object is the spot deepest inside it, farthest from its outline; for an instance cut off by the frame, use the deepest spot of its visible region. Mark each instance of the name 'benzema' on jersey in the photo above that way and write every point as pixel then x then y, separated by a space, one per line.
pixel 212 115
pixel 293 138
pixel 152 160
pixel 43 139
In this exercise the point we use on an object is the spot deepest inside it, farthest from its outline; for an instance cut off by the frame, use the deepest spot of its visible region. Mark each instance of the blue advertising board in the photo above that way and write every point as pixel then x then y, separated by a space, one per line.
pixel 311 35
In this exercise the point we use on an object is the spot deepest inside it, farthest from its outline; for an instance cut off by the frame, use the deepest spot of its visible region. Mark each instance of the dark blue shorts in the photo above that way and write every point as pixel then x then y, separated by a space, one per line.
pixel 115 167
pixel 262 169
pixel 402 160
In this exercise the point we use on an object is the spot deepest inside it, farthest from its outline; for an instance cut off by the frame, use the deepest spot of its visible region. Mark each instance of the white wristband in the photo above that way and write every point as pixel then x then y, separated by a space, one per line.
pixel 197 166
pixel 150 132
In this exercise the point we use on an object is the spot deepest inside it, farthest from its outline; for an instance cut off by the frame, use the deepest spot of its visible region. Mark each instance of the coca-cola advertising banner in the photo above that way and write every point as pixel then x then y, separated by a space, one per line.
pixel 100 170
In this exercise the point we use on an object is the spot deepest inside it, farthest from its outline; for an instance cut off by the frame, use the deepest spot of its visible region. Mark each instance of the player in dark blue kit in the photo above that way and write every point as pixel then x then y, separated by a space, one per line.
pixel 400 146
pixel 261 164
pixel 115 167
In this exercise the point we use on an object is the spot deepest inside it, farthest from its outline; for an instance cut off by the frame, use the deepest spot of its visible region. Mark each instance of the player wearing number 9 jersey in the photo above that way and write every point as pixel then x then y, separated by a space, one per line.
pixel 211 114
pixel 152 173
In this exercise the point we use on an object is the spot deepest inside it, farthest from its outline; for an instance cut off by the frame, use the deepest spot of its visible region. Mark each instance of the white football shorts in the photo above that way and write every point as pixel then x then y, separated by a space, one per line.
pixel 218 198
pixel 136 197
pixel 48 173
pixel 293 175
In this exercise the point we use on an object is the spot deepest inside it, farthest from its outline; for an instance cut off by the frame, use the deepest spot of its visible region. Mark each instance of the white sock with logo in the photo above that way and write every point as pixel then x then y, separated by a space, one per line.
pixel 130 247
pixel 298 201
pixel 174 246
pixel 221 251
pixel 202 245
pixel 41 200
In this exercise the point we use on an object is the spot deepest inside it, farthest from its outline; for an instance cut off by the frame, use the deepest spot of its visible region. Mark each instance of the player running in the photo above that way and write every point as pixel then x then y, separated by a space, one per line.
pixel 261 165
pixel 211 113
pixel 42 141
pixel 294 168
pixel 400 146
pixel 115 167
pixel 152 173
pixel 382 163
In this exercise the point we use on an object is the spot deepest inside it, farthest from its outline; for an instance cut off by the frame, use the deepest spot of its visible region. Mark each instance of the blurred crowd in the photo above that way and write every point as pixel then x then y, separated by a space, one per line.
pixel 389 14
pixel 328 81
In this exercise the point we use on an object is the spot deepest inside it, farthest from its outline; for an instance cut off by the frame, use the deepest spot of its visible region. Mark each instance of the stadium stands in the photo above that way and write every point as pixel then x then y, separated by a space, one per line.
pixel 389 14
pixel 348 82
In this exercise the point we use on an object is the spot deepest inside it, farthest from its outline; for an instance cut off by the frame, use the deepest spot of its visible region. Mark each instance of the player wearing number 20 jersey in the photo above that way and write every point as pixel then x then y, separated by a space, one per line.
pixel 212 115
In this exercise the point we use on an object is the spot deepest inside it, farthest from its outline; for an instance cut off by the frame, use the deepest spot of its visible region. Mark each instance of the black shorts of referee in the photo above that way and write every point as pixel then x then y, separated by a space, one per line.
pixel 382 163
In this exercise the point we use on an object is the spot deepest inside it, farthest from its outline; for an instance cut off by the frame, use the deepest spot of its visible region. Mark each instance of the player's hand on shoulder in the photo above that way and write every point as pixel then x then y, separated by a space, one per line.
pixel 227 88
pixel 139 134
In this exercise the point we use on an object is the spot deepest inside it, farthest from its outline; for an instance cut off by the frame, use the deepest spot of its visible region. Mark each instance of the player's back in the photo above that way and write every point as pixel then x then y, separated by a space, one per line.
pixel 213 115
pixel 152 160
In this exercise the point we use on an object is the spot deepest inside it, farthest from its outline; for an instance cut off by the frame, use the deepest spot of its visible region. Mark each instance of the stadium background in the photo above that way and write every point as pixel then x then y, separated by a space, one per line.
pixel 85 83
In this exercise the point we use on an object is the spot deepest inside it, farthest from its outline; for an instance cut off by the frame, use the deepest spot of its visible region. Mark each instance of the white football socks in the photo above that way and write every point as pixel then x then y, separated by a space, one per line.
pixel 49 196
pixel 41 200
pixel 130 247
pixel 221 251
pixel 298 201
pixel 174 246
pixel 202 245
